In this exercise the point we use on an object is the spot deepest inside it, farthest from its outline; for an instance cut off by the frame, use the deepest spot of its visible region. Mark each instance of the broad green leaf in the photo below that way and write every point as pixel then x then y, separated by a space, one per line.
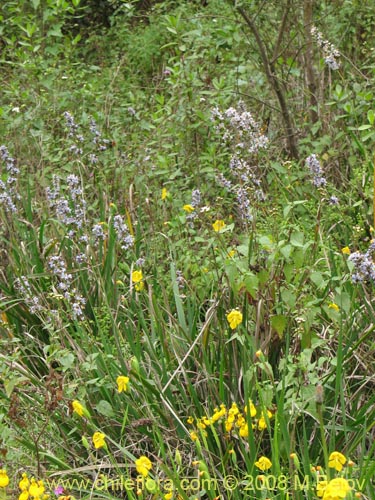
pixel 297 239
pixel 286 251
pixel 67 360
pixel 317 279
pixel 10 384
pixel 279 322
pixel 288 298
pixel 104 408
pixel 251 282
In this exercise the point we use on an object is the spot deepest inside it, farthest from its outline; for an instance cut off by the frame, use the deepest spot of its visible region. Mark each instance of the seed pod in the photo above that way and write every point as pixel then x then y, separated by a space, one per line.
pixel 319 394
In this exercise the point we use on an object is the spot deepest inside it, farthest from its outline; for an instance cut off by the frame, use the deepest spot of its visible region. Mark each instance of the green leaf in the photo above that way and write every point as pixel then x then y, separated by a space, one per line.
pixel 278 323
pixel 317 279
pixel 67 360
pixel 371 116
pixel 266 242
pixel 286 251
pixel 364 127
pixel 9 385
pixel 251 283
pixel 288 298
pixel 104 408
pixel 297 239
pixel 55 31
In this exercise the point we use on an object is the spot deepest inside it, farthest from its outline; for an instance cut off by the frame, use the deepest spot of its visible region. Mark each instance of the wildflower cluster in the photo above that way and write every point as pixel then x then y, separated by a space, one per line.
pixel 239 128
pixel 65 287
pixel 318 179
pixel 338 487
pixel 8 189
pixel 330 53
pixel 70 209
pixel 242 134
pixel 364 266
pixel 124 237
pixel 232 419
pixel 31 489
pixel 98 233
pixel 192 208
pixel 73 133
pixel 101 143
pixel 316 171
pixel 31 300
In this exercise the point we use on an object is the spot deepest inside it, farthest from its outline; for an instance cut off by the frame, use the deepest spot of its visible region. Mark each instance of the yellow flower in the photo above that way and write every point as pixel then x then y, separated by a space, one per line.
pixel 333 306
pixel 218 225
pixel 240 420
pixel 262 424
pixel 4 479
pixel 206 421
pixel 320 488
pixel 244 430
pixel 98 440
pixel 336 489
pixel 78 408
pixel 190 420
pixel 219 413
pixel 24 495
pixel 336 460
pixel 345 250
pixel 193 435
pixel 263 463
pixel 24 483
pixel 41 487
pixel 188 208
pixel 137 276
pixel 201 424
pixel 164 193
pixel 250 405
pixel 36 488
pixel 234 318
pixel 231 253
pixel 228 425
pixel 168 496
pixel 122 383
pixel 143 465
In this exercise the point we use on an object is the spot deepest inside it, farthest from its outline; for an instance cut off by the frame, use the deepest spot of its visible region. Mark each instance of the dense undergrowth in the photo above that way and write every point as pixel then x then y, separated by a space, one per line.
pixel 186 303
